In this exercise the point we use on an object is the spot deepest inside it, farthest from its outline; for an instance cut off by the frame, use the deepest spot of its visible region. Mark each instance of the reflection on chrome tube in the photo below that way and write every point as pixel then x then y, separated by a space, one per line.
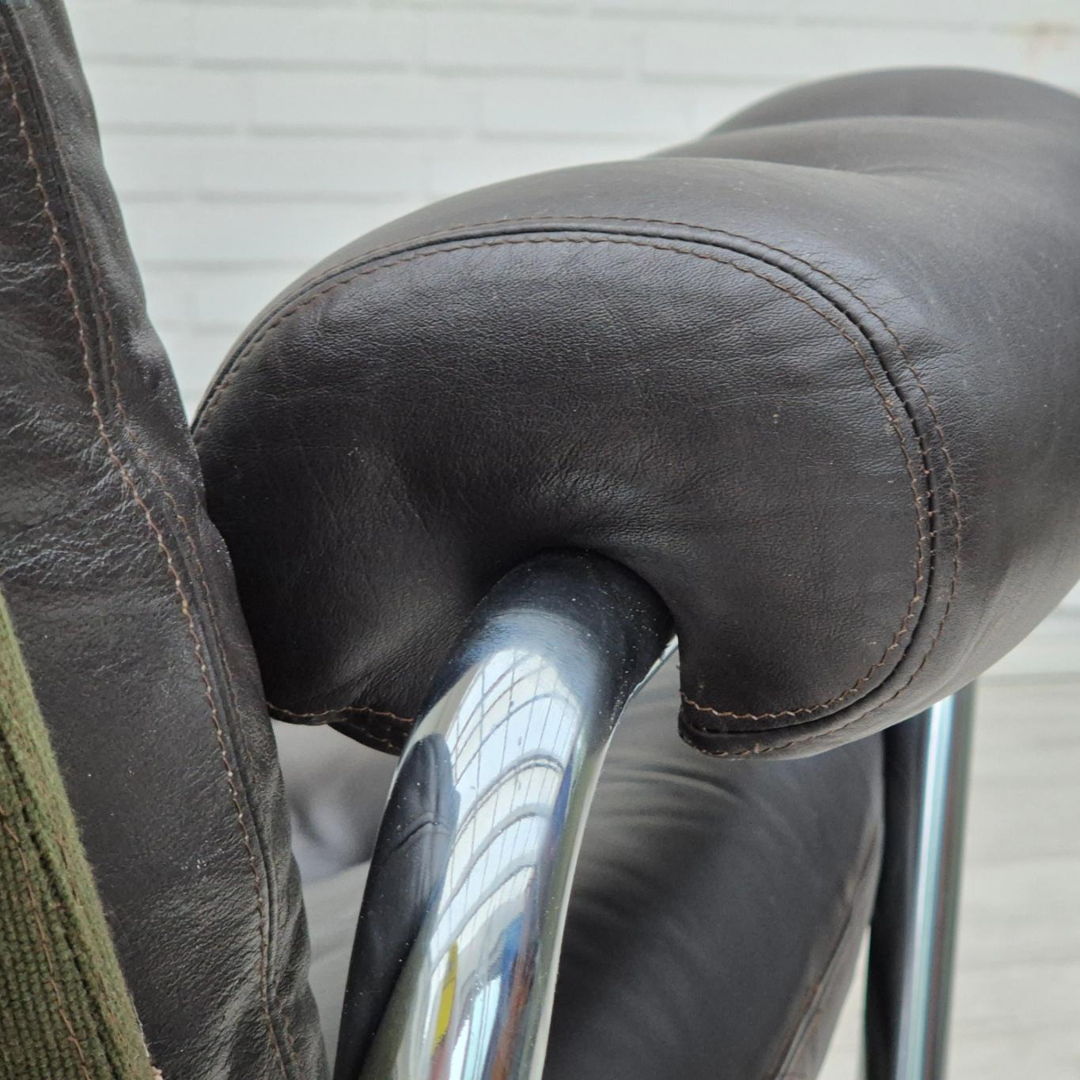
pixel 497 778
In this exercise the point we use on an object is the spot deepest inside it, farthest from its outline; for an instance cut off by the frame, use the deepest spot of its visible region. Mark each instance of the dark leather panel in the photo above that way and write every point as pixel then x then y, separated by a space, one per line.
pixel 718 907
pixel 123 597
pixel 813 377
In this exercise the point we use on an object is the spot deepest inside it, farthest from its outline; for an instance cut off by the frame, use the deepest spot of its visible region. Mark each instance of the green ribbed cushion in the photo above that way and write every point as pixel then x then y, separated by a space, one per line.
pixel 64 1009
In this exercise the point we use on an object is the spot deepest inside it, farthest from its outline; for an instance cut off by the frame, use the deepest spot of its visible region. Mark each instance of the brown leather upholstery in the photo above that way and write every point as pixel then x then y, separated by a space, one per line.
pixel 718 908
pixel 814 377
pixel 122 594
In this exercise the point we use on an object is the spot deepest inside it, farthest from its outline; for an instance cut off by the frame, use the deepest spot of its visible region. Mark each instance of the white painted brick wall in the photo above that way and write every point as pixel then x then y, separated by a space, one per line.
pixel 249 138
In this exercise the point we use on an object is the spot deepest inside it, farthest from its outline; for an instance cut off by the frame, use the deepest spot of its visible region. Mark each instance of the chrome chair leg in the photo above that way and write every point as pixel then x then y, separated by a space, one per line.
pixel 913 933
pixel 453 971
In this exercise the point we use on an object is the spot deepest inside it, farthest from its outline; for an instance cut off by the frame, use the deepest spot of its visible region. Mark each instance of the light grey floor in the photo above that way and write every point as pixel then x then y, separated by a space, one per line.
pixel 1017 1001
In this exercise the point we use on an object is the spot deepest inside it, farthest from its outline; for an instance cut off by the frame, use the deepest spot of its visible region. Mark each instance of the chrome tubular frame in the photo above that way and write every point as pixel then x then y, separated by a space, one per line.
pixel 912 939
pixel 477 848
pixel 453 970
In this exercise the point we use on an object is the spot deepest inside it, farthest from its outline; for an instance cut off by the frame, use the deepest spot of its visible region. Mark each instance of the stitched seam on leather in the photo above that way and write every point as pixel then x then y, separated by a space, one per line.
pixel 262 910
pixel 924 536
pixel 364 710
pixel 938 425
pixel 758 749
pixel 936 421
pixel 121 469
pixel 6 76
pixel 265 989
pixel 939 428
pixel 954 491
pixel 368 737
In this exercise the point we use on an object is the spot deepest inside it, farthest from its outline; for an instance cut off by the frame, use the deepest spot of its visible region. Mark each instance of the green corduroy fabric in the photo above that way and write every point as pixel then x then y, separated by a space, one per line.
pixel 65 1012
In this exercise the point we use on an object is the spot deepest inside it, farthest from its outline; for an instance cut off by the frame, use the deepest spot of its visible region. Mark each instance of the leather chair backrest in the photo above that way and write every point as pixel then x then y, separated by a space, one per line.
pixel 122 595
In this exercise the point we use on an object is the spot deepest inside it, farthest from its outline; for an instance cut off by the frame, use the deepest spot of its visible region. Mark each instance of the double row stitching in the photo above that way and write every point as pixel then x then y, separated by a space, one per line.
pixel 126 478
pixel 922 514
pixel 938 425
pixel 936 421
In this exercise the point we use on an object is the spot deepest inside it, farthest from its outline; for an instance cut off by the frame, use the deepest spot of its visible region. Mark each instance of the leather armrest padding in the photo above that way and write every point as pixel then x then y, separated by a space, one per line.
pixel 799 376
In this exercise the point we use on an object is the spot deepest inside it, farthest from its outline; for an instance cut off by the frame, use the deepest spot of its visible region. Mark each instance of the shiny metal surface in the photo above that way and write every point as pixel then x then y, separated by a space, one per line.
pixel 914 927
pixel 477 849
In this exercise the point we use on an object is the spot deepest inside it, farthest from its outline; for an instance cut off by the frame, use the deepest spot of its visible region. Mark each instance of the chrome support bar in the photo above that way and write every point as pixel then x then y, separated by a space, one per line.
pixel 913 934
pixel 477 848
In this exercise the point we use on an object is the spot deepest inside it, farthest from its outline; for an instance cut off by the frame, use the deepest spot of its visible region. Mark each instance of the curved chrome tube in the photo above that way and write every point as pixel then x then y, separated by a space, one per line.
pixel 453 971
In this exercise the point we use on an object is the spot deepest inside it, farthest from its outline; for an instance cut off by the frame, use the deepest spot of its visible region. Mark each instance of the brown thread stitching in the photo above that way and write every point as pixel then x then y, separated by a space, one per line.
pixel 748 716
pixel 921 525
pixel 937 423
pixel 909 363
pixel 370 738
pixel 365 710
pixel 629 219
pixel 35 903
pixel 758 749
pixel 957 537
pixel 68 272
pixel 261 910
pixel 954 492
